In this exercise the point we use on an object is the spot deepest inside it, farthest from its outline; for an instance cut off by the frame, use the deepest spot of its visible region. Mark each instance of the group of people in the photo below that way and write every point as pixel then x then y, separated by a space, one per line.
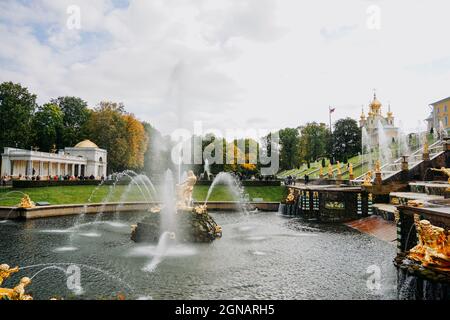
pixel 5 178
pixel 290 180
pixel 242 177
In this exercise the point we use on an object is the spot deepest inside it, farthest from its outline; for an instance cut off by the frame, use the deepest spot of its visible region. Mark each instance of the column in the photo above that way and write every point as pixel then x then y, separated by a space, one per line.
pixel 41 168
pixel 50 169
pixel 30 168
pixel 66 169
pixel 58 169
pixel 6 166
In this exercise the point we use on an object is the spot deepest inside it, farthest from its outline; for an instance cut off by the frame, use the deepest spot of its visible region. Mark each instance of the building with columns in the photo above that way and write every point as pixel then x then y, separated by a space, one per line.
pixel 85 159
pixel 375 118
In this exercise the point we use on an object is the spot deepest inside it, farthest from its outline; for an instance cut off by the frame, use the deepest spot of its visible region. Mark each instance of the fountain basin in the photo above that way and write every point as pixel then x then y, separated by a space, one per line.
pixel 94 208
pixel 190 227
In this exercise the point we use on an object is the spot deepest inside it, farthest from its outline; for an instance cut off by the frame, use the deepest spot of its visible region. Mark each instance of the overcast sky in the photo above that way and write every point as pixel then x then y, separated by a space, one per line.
pixel 232 63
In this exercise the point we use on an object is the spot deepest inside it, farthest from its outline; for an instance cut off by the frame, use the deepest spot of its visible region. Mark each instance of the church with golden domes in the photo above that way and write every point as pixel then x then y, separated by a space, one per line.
pixel 375 117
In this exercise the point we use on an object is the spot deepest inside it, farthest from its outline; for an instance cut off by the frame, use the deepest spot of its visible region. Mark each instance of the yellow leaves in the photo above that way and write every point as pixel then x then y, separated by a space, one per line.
pixel 137 141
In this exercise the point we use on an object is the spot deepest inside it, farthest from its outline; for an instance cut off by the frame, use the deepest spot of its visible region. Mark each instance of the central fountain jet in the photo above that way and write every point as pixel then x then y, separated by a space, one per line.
pixel 185 222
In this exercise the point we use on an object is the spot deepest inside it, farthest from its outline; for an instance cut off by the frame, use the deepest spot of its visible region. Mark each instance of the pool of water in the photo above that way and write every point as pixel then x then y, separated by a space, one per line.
pixel 261 256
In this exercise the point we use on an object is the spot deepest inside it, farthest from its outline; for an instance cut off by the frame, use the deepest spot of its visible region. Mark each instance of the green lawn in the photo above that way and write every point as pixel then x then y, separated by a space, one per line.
pixel 85 194
pixel 314 169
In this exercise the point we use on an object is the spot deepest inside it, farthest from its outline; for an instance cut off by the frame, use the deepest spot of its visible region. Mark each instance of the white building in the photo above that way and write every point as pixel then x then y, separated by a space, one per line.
pixel 85 159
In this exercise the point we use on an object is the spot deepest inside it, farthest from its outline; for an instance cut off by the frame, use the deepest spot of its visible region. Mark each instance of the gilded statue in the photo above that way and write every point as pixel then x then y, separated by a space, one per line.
pixel 426 148
pixel 26 203
pixel 291 196
pixel 368 179
pixel 6 272
pixel 185 190
pixel 330 171
pixel 433 249
pixel 350 169
pixel 321 171
pixel 445 171
pixel 201 209
pixel 338 167
pixel 378 167
pixel 18 293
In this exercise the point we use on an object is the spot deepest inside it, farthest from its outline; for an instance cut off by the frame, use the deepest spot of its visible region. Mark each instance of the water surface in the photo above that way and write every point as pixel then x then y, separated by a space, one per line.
pixel 261 256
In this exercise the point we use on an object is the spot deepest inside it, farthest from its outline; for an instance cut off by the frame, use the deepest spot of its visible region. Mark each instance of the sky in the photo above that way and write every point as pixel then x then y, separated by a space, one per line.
pixel 232 64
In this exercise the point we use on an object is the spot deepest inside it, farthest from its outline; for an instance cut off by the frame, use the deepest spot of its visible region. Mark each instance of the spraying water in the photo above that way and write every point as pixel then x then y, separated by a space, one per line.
pixel 384 145
pixel 367 148
pixel 234 186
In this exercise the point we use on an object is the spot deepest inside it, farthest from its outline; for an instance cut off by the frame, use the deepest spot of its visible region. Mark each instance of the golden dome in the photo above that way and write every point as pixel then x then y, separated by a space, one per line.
pixel 375 106
pixel 86 144
pixel 390 114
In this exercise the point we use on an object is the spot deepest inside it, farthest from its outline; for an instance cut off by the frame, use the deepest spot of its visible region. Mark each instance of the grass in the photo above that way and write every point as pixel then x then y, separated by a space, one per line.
pixel 313 171
pixel 86 194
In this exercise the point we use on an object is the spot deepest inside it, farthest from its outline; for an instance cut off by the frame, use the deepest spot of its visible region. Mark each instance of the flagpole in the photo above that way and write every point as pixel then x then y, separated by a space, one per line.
pixel 329 112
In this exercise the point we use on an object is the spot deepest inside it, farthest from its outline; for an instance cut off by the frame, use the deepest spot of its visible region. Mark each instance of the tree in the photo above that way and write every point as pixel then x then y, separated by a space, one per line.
pixel 76 114
pixel 313 141
pixel 111 128
pixel 346 139
pixel 48 127
pixel 17 106
pixel 157 156
pixel 137 142
pixel 289 148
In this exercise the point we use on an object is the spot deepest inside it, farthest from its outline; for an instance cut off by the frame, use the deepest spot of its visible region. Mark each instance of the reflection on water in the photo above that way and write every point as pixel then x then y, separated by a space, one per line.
pixel 261 256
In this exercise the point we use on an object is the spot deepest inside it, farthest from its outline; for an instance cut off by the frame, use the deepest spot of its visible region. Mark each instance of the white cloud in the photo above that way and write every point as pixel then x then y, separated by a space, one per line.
pixel 271 63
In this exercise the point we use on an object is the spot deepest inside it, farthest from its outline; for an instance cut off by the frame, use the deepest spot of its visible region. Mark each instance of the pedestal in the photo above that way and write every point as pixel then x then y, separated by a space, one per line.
pixel 352 177
pixel 378 179
pixel 426 157
pixel 321 176
pixel 447 193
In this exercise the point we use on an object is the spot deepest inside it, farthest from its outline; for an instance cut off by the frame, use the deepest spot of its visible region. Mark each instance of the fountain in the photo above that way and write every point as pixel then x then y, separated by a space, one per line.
pixel 384 145
pixel 367 148
pixel 177 217
pixel 423 259
pixel 235 187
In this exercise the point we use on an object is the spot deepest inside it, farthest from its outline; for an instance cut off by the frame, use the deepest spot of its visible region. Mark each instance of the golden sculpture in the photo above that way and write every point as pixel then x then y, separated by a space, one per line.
pixel 445 171
pixel 415 203
pixel 368 179
pixel 321 172
pixel 350 169
pixel 26 203
pixel 426 148
pixel 378 167
pixel 291 196
pixel 433 249
pixel 330 171
pixel 155 209
pixel 202 209
pixel 6 272
pixel 18 292
pixel 338 167
pixel 185 189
